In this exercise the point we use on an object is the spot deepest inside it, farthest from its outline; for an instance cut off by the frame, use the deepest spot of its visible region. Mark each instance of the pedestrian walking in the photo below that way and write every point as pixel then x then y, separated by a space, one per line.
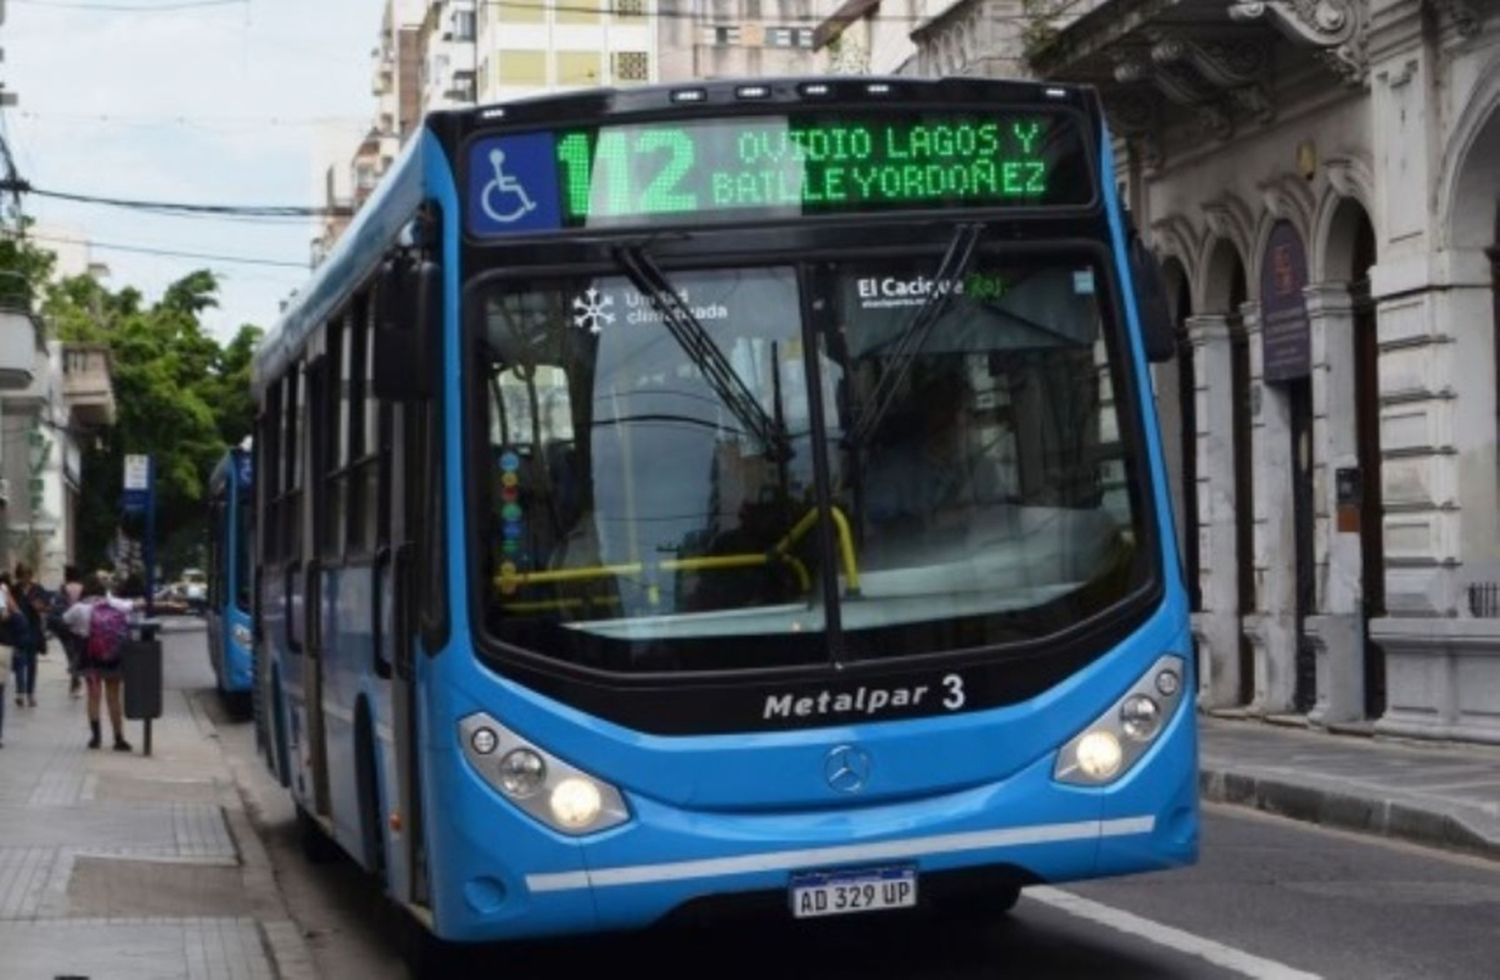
pixel 27 634
pixel 103 623
pixel 8 614
pixel 64 599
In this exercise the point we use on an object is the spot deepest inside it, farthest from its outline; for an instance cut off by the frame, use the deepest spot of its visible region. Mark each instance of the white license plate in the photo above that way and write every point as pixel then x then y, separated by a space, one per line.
pixel 845 892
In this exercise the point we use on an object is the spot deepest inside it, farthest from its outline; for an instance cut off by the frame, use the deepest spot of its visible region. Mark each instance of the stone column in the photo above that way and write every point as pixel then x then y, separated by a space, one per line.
pixel 1216 627
pixel 1442 516
pixel 1337 631
pixel 1272 628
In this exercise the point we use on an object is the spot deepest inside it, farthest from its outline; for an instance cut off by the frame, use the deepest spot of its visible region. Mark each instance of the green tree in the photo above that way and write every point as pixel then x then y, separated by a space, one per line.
pixel 179 396
pixel 233 403
pixel 25 269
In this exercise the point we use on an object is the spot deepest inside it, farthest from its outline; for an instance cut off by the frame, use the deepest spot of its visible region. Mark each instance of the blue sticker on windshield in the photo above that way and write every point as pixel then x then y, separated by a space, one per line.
pixel 513 185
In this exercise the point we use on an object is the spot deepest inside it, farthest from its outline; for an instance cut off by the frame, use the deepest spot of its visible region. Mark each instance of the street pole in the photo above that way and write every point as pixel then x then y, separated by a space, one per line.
pixel 150 545
pixel 150 566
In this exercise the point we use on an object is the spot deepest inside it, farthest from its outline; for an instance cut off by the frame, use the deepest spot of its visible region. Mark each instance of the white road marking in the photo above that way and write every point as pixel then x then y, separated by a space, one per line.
pixel 1216 953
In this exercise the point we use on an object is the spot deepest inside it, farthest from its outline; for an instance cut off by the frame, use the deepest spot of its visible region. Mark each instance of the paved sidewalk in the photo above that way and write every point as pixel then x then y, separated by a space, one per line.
pixel 1447 794
pixel 121 866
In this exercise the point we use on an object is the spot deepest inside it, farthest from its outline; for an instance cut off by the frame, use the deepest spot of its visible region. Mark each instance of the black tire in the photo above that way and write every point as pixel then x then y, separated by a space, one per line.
pixel 317 847
pixel 237 704
pixel 427 956
pixel 979 908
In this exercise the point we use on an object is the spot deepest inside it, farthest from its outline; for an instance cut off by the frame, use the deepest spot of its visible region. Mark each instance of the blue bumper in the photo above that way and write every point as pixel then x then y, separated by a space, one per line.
pixel 507 876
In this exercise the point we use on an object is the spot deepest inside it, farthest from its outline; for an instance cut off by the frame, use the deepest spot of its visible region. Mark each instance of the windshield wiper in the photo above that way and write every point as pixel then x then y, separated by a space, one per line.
pixel 691 336
pixel 910 340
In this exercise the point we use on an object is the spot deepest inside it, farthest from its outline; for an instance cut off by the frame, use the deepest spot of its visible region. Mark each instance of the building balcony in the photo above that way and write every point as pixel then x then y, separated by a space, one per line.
pixel 19 342
pixel 87 388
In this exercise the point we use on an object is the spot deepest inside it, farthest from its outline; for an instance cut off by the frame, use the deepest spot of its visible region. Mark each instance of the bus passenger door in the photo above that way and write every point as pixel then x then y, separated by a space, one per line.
pixel 411 480
pixel 396 628
pixel 313 583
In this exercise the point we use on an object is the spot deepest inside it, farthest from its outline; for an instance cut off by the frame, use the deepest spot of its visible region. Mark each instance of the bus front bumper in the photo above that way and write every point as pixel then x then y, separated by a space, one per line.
pixel 516 878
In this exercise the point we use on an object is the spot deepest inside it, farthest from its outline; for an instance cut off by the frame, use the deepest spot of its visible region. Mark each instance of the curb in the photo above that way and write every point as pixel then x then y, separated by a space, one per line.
pixel 1319 805
pixel 281 938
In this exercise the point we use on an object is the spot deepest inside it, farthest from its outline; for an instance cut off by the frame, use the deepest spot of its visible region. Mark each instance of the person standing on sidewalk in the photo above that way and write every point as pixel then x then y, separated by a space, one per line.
pixel 27 634
pixel 103 623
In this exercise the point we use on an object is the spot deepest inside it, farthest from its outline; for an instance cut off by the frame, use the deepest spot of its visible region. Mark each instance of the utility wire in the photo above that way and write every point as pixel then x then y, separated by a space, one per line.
pixel 18 186
pixel 169 253
pixel 122 8
pixel 197 122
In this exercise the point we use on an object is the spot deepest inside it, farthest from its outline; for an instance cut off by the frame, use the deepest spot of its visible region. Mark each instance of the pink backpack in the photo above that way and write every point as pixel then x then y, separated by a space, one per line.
pixel 108 629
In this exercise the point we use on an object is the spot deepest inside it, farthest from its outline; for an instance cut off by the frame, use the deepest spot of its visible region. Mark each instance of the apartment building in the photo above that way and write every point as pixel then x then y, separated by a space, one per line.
pixel 736 38
pixel 527 47
pixel 398 81
pixel 449 45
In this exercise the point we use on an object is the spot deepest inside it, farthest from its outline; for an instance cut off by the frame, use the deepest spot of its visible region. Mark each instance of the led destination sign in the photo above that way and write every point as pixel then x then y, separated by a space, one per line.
pixel 774 166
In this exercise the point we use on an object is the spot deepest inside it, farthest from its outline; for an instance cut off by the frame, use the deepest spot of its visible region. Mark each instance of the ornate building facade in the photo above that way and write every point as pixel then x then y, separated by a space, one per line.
pixel 1321 179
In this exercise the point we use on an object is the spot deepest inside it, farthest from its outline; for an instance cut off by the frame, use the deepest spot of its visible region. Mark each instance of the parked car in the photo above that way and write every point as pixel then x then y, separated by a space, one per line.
pixel 195 589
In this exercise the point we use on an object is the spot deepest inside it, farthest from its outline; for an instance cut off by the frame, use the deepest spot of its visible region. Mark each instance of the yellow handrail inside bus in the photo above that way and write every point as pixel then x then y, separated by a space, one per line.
pixel 509 582
pixel 846 542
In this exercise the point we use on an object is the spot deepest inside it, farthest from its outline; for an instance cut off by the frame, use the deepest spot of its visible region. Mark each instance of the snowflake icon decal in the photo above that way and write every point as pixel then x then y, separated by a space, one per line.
pixel 592 310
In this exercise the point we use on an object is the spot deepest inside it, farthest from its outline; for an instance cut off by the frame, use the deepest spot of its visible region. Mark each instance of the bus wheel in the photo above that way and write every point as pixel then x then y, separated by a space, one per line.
pixel 317 847
pixel 428 956
pixel 237 704
pixel 980 907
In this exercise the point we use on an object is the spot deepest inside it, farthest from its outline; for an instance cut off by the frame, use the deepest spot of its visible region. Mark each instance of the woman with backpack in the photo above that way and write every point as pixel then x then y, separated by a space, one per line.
pixel 102 624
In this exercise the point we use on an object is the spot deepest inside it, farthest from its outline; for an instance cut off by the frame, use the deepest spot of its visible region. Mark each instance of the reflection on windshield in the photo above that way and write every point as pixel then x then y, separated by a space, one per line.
pixel 992 478
pixel 639 516
pixel 626 492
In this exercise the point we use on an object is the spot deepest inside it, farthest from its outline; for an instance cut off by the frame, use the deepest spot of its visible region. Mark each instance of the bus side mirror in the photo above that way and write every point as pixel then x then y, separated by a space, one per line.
pixel 408 336
pixel 1157 335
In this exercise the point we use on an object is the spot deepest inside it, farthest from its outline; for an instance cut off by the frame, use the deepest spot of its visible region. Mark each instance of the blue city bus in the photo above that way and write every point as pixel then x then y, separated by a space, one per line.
pixel 691 497
pixel 229 567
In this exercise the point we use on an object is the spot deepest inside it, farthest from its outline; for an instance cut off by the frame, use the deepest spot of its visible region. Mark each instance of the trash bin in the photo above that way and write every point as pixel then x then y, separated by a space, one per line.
pixel 141 664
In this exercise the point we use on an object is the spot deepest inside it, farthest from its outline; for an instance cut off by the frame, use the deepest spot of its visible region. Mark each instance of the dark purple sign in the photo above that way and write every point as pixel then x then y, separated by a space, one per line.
pixel 1285 341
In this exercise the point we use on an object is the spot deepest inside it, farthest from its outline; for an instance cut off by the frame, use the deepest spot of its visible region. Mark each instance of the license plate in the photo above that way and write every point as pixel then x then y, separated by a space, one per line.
pixel 844 892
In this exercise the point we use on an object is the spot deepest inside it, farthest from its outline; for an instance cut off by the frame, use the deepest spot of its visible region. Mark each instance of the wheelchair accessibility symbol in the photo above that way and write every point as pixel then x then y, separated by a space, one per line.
pixel 512 185
pixel 504 199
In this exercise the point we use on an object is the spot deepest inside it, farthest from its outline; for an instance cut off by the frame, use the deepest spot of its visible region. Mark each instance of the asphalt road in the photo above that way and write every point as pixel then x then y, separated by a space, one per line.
pixel 1269 898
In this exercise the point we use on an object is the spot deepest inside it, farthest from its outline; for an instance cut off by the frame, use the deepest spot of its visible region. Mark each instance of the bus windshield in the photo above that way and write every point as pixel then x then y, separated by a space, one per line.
pixel 651 493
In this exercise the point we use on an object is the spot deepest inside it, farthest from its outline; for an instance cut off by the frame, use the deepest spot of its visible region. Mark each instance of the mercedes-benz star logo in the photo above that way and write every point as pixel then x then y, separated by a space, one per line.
pixel 847 768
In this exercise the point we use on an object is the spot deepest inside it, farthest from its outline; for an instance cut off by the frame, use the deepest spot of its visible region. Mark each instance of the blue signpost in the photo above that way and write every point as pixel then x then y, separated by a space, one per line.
pixel 139 497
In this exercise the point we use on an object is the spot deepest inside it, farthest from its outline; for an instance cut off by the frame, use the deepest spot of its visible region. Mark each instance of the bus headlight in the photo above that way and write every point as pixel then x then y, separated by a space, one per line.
pixel 560 795
pixel 1106 749
pixel 522 773
pixel 1099 755
pixel 1140 717
pixel 575 803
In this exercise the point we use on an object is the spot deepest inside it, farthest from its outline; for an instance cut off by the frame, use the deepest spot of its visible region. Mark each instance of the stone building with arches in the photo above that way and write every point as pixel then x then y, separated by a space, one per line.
pixel 1321 180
